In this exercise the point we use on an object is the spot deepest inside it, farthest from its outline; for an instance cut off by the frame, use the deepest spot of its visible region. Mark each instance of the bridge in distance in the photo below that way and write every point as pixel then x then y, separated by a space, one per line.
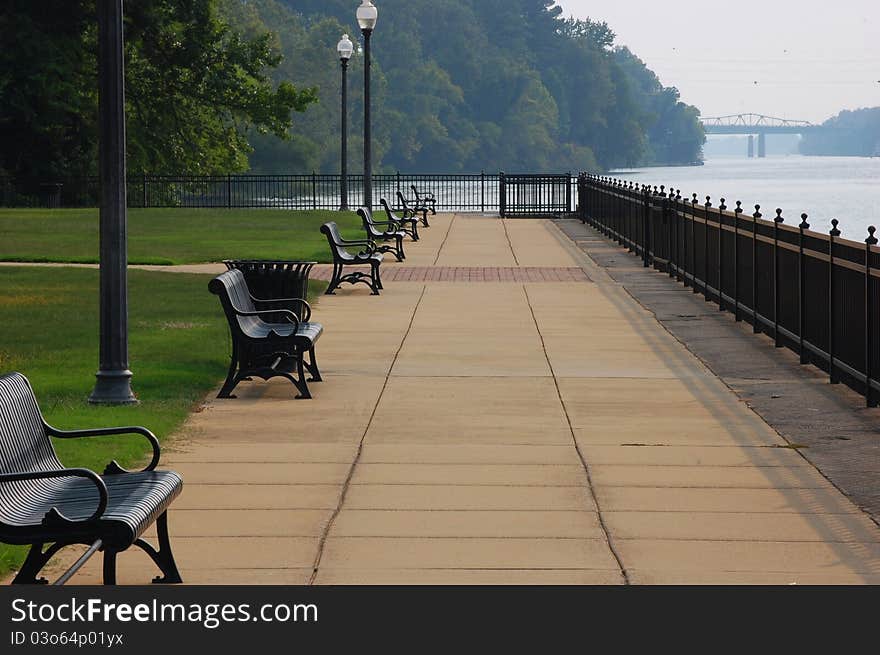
pixel 757 124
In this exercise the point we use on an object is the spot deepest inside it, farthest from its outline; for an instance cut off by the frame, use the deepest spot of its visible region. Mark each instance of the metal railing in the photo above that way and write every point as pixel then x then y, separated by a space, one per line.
pixel 535 194
pixel 512 195
pixel 817 294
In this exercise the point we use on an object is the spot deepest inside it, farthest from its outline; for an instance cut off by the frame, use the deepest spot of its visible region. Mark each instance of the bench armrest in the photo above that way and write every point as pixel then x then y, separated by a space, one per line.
pixel 306 307
pixel 289 315
pixel 113 467
pixel 65 473
pixel 393 226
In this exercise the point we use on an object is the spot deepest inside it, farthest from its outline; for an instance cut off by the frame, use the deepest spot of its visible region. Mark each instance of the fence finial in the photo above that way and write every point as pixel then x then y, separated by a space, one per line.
pixel 722 206
pixel 834 231
pixel 871 240
pixel 778 218
pixel 739 207
pixel 804 225
pixel 708 201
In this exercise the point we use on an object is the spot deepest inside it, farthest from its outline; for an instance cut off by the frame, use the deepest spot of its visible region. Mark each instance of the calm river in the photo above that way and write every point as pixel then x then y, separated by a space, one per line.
pixel 845 188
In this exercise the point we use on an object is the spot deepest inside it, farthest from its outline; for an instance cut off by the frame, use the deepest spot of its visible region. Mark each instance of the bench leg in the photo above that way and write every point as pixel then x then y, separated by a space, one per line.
pixel 110 567
pixel 377 279
pixel 163 557
pixel 34 562
pixel 415 229
pixel 400 254
pixel 312 366
pixel 334 281
pixel 425 218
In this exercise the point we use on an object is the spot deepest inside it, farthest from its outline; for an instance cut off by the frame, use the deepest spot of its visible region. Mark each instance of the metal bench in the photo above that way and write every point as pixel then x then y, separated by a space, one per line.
pixel 384 230
pixel 409 224
pixel 269 338
pixel 42 502
pixel 426 200
pixel 409 210
pixel 342 257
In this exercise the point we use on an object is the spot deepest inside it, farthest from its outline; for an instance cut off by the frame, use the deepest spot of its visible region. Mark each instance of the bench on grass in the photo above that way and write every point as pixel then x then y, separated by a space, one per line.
pixel 42 502
pixel 384 231
pixel 426 200
pixel 342 257
pixel 409 210
pixel 269 337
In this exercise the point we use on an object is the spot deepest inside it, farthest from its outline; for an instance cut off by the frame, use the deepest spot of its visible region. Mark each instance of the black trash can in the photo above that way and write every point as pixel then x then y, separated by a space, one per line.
pixel 270 279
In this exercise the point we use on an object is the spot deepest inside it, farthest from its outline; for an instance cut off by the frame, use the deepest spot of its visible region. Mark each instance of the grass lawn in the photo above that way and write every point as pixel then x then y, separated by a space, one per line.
pixel 179 347
pixel 173 236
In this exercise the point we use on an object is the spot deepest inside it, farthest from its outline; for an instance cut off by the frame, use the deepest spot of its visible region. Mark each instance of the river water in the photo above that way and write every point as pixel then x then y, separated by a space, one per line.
pixel 845 188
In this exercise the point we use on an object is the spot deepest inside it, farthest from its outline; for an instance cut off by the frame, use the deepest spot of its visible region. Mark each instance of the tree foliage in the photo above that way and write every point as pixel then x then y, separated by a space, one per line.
pixel 850 133
pixel 194 88
pixel 458 85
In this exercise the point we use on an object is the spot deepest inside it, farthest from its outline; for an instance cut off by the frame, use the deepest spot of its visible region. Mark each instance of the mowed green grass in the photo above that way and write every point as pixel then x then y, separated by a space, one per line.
pixel 179 350
pixel 172 236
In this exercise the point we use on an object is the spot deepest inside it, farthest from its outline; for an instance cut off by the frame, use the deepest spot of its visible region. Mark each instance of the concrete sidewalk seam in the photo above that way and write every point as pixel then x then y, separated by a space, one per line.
pixel 586 467
pixel 347 484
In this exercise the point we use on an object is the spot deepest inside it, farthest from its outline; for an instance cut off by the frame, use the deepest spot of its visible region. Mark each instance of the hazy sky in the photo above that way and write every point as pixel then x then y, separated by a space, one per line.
pixel 798 60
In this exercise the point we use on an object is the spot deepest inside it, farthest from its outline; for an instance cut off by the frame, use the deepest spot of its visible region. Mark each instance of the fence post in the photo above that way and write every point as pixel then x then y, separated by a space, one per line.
pixel 870 396
pixel 737 212
pixel 483 192
pixel 694 202
pixel 755 327
pixel 776 222
pixel 833 233
pixel 646 235
pixel 144 191
pixel 802 290
pixel 228 191
pixel 502 194
pixel 676 219
pixel 706 249
pixel 568 194
pixel 314 191
pixel 667 225
pixel 721 209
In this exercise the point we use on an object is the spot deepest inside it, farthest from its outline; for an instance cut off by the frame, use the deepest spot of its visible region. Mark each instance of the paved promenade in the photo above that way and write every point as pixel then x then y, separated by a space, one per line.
pixel 503 413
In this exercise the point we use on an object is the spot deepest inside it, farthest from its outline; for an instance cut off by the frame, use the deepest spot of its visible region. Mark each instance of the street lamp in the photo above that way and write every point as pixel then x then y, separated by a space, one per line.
pixel 345 48
pixel 367 14
pixel 113 384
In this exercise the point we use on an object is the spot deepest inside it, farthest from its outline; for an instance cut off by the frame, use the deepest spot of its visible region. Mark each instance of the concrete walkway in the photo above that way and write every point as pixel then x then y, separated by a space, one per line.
pixel 509 431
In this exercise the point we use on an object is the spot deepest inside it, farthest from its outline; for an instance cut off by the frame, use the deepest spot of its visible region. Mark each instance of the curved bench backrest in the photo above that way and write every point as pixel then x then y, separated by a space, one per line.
pixel 403 202
pixel 24 443
pixel 235 297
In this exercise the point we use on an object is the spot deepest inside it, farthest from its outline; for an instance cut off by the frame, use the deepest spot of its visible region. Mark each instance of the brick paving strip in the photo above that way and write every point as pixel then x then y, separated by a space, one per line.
pixel 532 431
pixel 403 273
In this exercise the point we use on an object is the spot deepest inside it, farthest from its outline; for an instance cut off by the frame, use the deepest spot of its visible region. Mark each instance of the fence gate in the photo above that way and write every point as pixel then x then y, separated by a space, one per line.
pixel 534 195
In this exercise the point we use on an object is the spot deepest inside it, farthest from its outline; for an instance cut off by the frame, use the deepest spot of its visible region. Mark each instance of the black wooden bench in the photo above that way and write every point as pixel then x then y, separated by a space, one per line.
pixel 384 231
pixel 426 200
pixel 269 338
pixel 410 210
pixel 342 257
pixel 42 502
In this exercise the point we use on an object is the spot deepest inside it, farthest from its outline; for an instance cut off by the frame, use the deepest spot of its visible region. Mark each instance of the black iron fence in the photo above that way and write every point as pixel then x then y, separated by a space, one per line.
pixel 512 195
pixel 535 195
pixel 815 293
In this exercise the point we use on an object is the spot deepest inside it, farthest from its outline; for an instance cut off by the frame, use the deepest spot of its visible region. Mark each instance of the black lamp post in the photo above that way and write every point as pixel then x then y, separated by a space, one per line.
pixel 345 48
pixel 113 384
pixel 367 14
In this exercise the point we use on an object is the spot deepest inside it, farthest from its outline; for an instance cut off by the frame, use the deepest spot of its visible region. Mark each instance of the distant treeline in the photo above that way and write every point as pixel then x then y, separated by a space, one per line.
pixel 464 85
pixel 854 133
pixel 226 86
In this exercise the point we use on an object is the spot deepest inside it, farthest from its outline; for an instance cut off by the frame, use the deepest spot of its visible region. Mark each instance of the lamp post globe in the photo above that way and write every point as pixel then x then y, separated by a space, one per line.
pixel 345 48
pixel 367 15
